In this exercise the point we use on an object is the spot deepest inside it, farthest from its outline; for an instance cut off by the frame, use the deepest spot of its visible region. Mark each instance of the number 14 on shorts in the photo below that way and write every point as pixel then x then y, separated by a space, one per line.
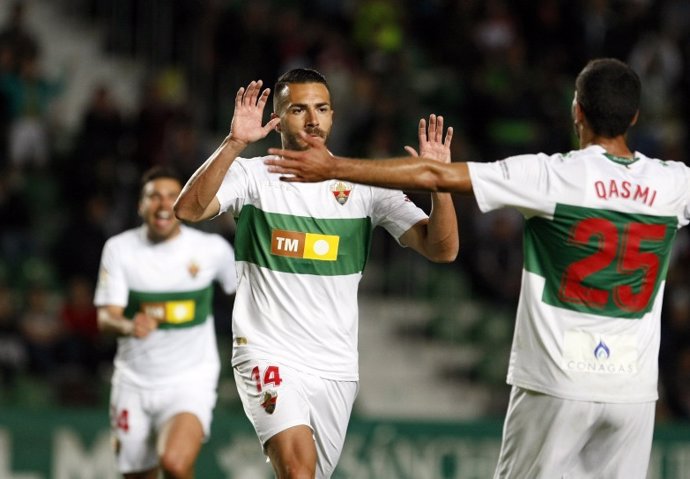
pixel 119 419
pixel 271 375
pixel 268 396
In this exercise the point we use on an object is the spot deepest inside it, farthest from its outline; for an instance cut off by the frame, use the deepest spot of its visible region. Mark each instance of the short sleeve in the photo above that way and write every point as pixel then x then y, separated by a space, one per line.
pixel 686 210
pixel 111 287
pixel 395 212
pixel 518 181
pixel 234 189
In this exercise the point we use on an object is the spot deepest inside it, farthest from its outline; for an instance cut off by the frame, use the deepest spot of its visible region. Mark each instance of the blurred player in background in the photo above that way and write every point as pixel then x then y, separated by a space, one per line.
pixel 600 222
pixel 301 250
pixel 155 291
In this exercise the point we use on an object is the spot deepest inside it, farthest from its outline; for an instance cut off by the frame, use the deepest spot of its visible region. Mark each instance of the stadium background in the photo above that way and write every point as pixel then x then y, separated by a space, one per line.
pixel 119 85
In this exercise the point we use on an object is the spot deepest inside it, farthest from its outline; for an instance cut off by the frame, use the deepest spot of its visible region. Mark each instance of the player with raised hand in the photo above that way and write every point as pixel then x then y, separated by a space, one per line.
pixel 301 252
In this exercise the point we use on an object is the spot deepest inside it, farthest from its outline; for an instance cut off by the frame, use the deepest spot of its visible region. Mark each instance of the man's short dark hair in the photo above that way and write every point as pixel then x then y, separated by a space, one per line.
pixel 296 75
pixel 608 92
pixel 159 171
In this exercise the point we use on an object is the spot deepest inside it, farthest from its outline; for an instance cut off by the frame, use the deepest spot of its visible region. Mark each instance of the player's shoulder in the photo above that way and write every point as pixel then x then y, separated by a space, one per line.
pixel 669 165
pixel 372 191
pixel 253 165
pixel 529 162
pixel 564 157
pixel 673 174
pixel 127 238
pixel 254 170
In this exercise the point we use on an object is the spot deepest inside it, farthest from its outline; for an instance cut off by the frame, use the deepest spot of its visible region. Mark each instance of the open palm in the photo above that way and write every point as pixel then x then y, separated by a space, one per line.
pixel 431 141
pixel 246 124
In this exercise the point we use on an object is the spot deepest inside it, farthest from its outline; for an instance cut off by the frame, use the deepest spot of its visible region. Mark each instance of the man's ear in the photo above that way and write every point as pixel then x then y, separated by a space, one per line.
pixel 579 114
pixel 275 115
pixel 635 118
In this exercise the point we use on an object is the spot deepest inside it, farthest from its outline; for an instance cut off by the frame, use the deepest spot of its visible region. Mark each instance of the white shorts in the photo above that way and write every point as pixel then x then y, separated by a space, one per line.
pixel 549 437
pixel 276 397
pixel 138 414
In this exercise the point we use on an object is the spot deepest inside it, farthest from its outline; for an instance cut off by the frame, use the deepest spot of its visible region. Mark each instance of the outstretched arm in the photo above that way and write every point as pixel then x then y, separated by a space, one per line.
pixel 412 174
pixel 198 201
pixel 436 238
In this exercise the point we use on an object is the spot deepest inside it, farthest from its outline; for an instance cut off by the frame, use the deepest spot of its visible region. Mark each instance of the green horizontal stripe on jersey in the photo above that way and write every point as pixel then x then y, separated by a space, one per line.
pixel 203 299
pixel 253 242
pixel 599 261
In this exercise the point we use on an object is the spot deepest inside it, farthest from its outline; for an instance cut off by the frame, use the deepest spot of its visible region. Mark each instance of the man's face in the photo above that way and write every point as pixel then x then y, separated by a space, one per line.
pixel 156 208
pixel 304 107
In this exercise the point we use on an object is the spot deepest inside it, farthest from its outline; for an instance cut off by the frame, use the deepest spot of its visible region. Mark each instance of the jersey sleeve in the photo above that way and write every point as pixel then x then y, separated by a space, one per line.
pixel 234 189
pixel 686 210
pixel 517 181
pixel 111 287
pixel 227 274
pixel 395 212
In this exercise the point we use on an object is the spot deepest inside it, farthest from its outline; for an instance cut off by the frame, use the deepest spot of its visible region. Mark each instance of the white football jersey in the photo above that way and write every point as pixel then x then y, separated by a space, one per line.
pixel 173 282
pixel 301 249
pixel 597 241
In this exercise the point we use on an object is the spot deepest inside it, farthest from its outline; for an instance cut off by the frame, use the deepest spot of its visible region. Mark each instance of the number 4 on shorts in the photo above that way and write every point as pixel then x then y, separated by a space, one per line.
pixel 122 420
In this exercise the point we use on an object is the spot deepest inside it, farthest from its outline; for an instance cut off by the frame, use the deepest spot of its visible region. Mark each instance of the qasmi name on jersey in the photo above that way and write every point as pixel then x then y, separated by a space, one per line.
pixel 627 190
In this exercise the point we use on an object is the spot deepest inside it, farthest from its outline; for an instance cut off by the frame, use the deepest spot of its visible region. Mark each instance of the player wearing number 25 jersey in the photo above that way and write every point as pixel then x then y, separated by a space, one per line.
pixel 599 225
pixel 597 241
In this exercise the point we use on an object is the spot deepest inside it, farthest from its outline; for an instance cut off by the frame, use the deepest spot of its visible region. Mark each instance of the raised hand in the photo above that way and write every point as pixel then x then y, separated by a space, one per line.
pixel 249 108
pixel 431 143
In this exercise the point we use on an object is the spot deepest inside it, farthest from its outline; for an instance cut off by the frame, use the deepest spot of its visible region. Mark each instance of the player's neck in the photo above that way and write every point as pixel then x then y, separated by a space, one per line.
pixel 615 146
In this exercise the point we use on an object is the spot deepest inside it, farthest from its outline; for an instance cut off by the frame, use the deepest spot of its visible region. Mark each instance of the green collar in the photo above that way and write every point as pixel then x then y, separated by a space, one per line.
pixel 620 159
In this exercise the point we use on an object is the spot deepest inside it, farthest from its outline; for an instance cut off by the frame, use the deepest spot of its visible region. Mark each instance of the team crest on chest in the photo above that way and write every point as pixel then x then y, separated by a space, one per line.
pixel 341 191
pixel 193 268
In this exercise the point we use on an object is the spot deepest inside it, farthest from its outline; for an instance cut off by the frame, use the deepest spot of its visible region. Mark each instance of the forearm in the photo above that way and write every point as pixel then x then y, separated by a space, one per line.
pixel 194 202
pixel 411 174
pixel 442 240
pixel 111 323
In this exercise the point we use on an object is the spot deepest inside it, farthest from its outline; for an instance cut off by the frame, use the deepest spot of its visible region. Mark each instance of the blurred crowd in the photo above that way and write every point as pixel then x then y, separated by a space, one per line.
pixel 501 72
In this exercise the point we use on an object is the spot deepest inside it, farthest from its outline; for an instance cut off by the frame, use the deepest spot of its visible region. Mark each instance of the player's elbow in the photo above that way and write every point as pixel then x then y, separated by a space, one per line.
pixel 450 256
pixel 193 209
pixel 444 251
pixel 184 212
pixel 183 215
pixel 445 255
pixel 102 324
pixel 105 321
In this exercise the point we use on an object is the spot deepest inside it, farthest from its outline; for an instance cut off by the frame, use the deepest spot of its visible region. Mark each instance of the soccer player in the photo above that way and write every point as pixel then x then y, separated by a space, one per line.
pixel 155 291
pixel 301 250
pixel 599 225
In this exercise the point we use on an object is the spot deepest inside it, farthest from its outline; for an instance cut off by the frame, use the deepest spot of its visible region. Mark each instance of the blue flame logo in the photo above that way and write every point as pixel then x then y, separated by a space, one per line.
pixel 602 351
